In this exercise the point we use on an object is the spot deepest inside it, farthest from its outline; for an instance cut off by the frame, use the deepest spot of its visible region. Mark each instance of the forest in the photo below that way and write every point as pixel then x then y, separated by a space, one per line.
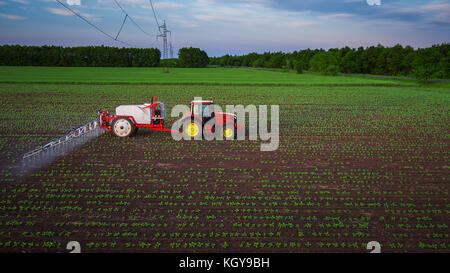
pixel 423 63
pixel 101 56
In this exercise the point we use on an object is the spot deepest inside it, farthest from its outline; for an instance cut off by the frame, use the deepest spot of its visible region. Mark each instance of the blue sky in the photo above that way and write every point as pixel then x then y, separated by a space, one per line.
pixel 230 26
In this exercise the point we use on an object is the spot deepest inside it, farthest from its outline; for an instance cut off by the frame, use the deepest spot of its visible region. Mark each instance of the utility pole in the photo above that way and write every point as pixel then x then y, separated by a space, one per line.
pixel 163 34
pixel 164 31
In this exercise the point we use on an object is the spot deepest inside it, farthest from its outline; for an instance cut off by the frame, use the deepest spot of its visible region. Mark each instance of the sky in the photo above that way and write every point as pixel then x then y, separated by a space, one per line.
pixel 233 27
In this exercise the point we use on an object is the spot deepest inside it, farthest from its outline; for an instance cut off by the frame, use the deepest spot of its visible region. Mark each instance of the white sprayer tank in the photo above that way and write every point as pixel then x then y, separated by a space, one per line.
pixel 140 115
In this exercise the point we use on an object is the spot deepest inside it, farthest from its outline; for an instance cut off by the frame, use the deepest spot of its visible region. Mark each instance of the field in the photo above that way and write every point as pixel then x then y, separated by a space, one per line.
pixel 221 76
pixel 359 160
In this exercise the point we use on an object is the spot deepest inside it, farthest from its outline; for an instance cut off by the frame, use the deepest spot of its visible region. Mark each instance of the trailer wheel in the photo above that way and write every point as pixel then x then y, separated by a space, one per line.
pixel 192 128
pixel 123 127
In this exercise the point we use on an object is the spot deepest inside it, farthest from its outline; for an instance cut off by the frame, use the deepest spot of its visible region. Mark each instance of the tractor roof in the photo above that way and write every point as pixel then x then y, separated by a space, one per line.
pixel 202 102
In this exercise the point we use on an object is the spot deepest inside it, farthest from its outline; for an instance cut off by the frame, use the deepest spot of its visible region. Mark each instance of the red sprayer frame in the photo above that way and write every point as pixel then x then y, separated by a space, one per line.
pixel 106 119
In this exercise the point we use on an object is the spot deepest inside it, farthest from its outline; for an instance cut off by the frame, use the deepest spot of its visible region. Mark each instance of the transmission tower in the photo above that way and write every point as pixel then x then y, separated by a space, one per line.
pixel 164 31
pixel 163 34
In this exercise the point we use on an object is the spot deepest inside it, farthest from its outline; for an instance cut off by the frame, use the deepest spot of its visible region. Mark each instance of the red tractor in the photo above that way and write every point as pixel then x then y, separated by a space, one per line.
pixel 203 119
pixel 129 118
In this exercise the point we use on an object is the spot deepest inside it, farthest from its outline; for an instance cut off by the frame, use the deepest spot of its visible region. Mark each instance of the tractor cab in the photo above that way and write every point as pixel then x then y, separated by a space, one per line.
pixel 203 110
pixel 203 119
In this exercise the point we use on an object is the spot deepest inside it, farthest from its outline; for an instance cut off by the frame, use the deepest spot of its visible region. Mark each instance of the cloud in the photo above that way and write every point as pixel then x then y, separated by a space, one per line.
pixel 399 14
pixel 90 16
pixel 74 2
pixel 24 2
pixel 437 7
pixel 167 5
pixel 135 1
pixel 442 10
pixel 62 12
pixel 246 2
pixel 301 24
pixel 394 10
pixel 336 16
pixel 185 23
pixel 215 18
pixel 159 4
pixel 323 6
pixel 12 17
pixel 212 11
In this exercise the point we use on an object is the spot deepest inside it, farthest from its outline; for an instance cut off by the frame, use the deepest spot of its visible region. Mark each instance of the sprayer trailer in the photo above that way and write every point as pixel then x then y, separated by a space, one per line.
pixel 202 119
pixel 129 118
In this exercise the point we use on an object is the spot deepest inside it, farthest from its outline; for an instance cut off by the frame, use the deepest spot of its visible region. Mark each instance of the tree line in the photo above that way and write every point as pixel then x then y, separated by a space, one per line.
pixel 426 63
pixel 16 55
pixel 102 56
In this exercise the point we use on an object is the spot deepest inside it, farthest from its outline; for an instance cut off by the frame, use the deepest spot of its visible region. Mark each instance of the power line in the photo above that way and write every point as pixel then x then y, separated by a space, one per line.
pixel 123 23
pixel 154 14
pixel 156 40
pixel 94 26
pixel 134 22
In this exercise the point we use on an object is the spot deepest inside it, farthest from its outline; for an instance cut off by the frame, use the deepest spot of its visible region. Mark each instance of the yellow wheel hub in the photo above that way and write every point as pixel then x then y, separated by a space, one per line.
pixel 228 133
pixel 192 129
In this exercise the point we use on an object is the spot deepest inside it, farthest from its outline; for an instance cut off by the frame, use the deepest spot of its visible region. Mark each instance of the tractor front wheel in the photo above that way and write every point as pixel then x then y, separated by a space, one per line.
pixel 228 131
pixel 123 127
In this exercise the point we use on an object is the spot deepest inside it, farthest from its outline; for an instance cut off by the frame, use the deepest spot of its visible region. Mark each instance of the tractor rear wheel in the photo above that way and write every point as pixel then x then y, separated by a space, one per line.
pixel 123 127
pixel 192 128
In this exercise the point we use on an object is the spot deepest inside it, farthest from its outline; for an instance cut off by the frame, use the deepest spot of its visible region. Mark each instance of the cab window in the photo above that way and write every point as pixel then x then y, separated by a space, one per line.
pixel 203 110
